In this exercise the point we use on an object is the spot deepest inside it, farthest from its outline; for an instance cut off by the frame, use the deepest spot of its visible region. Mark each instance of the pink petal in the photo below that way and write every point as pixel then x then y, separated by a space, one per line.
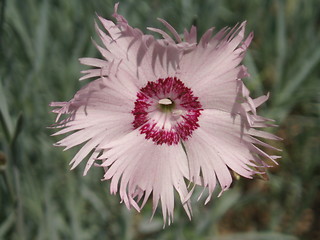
pixel 148 167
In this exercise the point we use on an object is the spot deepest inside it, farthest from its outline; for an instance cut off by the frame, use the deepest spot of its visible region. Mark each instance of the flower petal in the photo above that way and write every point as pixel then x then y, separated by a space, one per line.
pixel 135 163
pixel 219 144
pixel 212 68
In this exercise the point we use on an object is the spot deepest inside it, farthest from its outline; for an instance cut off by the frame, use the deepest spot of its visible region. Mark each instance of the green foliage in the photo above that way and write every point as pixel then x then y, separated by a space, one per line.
pixel 40 42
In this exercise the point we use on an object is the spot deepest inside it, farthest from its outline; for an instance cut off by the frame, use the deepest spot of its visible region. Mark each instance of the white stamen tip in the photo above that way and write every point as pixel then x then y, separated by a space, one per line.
pixel 177 112
pixel 165 101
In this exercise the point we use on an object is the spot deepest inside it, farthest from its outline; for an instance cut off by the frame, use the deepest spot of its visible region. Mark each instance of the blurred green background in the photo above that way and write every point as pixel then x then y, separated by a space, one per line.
pixel 40 42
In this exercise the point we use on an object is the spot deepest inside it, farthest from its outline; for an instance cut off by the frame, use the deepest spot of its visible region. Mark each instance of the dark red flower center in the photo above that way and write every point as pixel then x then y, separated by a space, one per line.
pixel 166 111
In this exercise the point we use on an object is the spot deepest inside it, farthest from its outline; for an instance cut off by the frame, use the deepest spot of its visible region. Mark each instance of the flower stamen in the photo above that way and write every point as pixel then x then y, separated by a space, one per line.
pixel 165 101
pixel 176 114
pixel 166 105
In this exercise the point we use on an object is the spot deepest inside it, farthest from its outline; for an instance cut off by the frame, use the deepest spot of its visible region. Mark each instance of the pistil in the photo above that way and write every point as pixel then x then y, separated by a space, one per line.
pixel 166 105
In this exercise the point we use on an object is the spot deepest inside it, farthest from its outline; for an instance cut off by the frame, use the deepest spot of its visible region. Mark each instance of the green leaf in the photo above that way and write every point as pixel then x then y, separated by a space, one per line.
pixel 256 236
pixel 299 78
pixel 5 118
pixel 18 129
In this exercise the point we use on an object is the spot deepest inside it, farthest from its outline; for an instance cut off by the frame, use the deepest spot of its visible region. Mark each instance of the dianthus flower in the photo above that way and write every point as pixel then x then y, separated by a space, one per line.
pixel 163 113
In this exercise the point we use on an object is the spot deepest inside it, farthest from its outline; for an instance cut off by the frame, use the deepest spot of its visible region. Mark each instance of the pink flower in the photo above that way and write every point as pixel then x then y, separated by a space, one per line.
pixel 164 113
